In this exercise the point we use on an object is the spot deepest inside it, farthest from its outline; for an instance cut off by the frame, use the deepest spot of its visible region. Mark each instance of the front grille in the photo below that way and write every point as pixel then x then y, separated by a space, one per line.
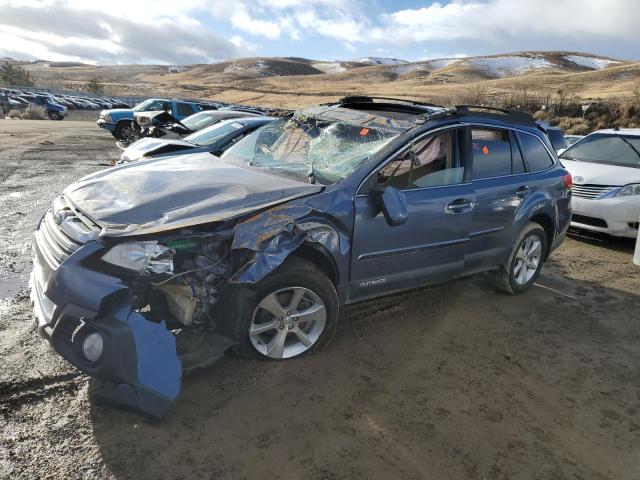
pixel 54 244
pixel 585 220
pixel 590 191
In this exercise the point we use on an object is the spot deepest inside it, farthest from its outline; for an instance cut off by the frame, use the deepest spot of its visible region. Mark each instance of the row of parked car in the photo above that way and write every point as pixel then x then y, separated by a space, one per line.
pixel 56 106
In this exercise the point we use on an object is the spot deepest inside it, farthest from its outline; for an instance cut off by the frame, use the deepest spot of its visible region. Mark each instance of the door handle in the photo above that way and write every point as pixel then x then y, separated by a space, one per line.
pixel 523 191
pixel 460 205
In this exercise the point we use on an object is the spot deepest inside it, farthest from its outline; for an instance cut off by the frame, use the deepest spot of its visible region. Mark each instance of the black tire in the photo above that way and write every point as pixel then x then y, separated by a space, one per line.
pixel 54 116
pixel 123 130
pixel 505 277
pixel 239 303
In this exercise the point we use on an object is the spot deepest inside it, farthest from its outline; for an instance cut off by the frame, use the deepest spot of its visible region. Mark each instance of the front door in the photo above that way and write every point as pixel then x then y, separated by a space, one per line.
pixel 430 246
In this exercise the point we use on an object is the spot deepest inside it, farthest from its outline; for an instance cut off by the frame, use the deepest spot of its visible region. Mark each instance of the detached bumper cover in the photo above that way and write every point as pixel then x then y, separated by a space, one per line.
pixel 139 356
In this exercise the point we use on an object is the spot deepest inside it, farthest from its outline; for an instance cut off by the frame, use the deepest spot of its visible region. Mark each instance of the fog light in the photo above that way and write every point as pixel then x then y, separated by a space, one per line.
pixel 92 346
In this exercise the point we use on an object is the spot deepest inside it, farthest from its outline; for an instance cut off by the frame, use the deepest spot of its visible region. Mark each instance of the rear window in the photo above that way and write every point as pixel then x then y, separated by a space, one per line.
pixel 536 156
pixel 491 153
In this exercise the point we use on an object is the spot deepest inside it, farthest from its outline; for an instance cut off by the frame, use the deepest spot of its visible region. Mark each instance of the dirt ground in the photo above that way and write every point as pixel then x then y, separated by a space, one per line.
pixel 451 382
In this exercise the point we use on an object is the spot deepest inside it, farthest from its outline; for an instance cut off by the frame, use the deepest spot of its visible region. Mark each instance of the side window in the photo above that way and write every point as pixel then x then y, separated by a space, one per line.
pixel 491 153
pixel 536 156
pixel 184 109
pixel 432 162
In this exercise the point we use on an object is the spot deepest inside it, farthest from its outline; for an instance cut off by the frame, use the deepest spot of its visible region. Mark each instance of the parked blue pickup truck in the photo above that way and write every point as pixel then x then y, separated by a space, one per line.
pixel 53 110
pixel 120 121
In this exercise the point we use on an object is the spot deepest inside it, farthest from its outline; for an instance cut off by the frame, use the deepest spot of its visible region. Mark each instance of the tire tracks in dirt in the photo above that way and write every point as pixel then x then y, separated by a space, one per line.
pixel 14 394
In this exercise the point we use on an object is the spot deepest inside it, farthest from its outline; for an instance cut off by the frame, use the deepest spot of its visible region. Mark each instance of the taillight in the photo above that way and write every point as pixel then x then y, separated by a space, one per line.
pixel 568 181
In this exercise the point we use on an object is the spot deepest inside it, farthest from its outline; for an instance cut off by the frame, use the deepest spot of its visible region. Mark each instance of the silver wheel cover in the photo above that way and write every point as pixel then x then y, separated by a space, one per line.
pixel 527 259
pixel 287 322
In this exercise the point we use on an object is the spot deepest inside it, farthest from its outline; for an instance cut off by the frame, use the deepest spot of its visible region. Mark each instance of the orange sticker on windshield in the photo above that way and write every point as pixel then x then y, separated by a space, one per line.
pixel 485 150
pixel 364 132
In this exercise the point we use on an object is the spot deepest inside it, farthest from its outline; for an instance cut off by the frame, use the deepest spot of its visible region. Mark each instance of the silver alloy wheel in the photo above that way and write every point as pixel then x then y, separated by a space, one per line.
pixel 527 260
pixel 287 322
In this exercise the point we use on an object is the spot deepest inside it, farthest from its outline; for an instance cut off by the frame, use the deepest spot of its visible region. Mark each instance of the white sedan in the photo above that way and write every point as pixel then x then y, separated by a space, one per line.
pixel 605 166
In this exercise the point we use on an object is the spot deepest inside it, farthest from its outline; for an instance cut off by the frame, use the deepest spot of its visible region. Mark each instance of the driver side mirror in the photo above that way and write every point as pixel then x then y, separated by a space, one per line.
pixel 394 206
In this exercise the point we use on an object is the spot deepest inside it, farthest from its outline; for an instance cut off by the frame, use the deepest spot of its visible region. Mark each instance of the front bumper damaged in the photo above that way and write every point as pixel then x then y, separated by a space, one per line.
pixel 139 363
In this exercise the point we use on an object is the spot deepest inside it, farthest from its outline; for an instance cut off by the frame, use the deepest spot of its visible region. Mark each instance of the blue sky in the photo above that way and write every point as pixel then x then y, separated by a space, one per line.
pixel 201 31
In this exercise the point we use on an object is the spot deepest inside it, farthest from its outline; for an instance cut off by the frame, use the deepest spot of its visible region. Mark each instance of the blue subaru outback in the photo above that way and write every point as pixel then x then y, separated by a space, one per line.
pixel 151 269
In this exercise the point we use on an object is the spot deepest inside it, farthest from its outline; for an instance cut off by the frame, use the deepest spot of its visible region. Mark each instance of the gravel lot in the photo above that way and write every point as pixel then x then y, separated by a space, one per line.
pixel 456 381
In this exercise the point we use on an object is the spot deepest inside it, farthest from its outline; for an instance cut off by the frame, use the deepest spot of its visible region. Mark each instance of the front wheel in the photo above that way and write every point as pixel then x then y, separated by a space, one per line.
pixel 290 313
pixel 522 267
pixel 124 131
pixel 54 116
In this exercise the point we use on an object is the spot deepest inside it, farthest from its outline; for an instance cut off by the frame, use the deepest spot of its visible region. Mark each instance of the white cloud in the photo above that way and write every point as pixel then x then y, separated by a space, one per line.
pixel 500 20
pixel 189 31
pixel 66 30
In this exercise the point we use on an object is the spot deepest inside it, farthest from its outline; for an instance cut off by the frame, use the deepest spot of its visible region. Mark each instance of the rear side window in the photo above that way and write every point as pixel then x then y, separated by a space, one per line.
pixel 491 153
pixel 184 109
pixel 536 156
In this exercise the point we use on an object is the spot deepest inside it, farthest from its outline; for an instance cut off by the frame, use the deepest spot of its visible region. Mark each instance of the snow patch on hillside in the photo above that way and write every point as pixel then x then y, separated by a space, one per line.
pixel 411 67
pixel 244 68
pixel 442 62
pixel 383 60
pixel 590 62
pixel 510 65
pixel 330 67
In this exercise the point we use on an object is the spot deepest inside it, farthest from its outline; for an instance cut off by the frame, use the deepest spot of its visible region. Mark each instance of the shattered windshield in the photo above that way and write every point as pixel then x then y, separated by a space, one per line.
pixel 214 133
pixel 309 149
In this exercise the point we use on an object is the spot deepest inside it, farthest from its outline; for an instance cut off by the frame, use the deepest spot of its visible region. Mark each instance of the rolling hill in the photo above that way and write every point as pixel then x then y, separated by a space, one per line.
pixel 292 82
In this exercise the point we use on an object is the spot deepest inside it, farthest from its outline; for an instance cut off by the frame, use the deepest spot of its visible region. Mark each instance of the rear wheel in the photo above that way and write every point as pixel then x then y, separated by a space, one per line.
pixel 290 313
pixel 522 267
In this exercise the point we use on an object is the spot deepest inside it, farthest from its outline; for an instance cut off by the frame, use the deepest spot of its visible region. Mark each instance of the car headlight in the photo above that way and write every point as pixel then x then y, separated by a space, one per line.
pixel 107 118
pixel 628 190
pixel 143 257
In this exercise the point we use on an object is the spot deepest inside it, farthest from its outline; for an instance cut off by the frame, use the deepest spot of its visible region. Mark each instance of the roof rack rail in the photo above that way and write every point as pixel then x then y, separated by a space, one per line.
pixel 514 116
pixel 370 99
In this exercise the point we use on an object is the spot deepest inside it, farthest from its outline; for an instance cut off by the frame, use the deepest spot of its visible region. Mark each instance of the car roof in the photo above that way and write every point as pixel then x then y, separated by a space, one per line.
pixel 620 131
pixel 402 115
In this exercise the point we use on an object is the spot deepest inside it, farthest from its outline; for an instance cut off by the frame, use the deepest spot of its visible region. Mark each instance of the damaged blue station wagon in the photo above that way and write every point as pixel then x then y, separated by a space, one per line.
pixel 148 270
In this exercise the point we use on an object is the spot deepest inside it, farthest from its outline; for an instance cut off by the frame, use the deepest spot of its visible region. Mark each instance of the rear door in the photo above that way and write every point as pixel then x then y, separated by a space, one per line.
pixel 430 246
pixel 500 184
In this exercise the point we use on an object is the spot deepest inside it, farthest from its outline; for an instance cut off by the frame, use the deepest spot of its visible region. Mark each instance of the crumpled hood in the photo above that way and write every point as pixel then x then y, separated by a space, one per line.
pixel 600 173
pixel 169 193
pixel 147 146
